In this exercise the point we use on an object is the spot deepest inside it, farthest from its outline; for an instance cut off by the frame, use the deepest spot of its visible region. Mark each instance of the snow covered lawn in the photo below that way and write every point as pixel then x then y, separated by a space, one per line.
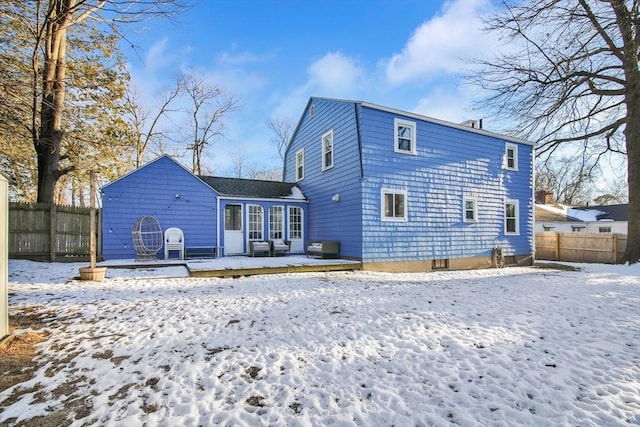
pixel 515 346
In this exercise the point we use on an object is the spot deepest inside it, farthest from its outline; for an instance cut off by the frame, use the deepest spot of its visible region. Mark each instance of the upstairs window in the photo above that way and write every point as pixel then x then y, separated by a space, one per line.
pixel 511 217
pixel 511 157
pixel 470 209
pixel 327 150
pixel 300 165
pixel 405 136
pixel 394 205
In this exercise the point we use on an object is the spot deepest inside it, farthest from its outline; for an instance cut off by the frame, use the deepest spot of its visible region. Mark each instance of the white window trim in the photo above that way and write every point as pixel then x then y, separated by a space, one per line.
pixel 517 218
pixel 464 209
pixel 248 222
pixel 513 147
pixel 414 136
pixel 298 165
pixel 333 149
pixel 289 209
pixel 385 191
pixel 281 207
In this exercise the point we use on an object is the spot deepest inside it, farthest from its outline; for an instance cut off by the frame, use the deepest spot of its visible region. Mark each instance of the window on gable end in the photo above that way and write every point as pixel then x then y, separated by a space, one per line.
pixel 394 205
pixel 470 209
pixel 300 165
pixel 511 157
pixel 405 136
pixel 327 150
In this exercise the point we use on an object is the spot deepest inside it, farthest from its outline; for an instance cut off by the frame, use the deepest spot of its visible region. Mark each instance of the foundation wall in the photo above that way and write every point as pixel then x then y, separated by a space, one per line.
pixel 454 264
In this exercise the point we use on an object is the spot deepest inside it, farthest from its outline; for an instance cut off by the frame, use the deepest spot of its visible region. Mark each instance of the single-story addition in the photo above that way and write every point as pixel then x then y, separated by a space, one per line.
pixel 588 219
pixel 219 215
pixel 405 192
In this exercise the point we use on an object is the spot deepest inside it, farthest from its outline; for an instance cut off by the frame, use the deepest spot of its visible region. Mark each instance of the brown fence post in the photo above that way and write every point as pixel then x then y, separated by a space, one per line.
pixel 52 232
pixel 557 249
pixel 614 242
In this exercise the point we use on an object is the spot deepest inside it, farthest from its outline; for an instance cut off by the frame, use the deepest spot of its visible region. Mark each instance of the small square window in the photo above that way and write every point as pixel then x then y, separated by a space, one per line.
pixel 511 217
pixel 300 165
pixel 405 137
pixel 511 157
pixel 394 206
pixel 327 150
pixel 470 209
pixel 604 229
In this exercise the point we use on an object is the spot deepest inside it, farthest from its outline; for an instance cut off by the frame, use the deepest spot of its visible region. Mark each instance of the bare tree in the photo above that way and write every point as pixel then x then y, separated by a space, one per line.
pixel 282 132
pixel 144 124
pixel 209 107
pixel 568 179
pixel 53 24
pixel 568 74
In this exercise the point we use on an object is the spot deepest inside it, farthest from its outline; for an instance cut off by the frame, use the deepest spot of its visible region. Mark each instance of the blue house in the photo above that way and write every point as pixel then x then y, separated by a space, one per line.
pixel 223 214
pixel 404 192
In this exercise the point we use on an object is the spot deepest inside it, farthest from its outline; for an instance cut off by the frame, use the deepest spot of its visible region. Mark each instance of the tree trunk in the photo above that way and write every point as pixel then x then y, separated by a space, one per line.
pixel 48 141
pixel 629 55
pixel 632 135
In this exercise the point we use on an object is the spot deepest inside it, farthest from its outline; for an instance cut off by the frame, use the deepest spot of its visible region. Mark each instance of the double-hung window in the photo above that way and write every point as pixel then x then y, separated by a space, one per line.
pixel 511 157
pixel 394 205
pixel 300 165
pixel 327 150
pixel 470 209
pixel 405 136
pixel 511 217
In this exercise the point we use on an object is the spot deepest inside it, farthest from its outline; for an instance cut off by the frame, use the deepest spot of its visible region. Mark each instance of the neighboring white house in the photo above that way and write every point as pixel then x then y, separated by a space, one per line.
pixel 552 216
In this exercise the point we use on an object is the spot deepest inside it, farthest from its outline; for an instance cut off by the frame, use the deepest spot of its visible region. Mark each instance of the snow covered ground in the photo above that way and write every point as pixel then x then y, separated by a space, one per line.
pixel 514 346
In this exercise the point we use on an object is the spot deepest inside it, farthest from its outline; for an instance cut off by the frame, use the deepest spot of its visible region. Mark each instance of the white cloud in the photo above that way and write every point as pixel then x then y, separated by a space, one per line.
pixel 334 74
pixel 443 104
pixel 157 56
pixel 439 44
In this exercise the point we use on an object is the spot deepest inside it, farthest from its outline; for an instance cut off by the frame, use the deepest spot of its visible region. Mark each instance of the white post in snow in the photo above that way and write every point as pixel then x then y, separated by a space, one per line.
pixel 4 256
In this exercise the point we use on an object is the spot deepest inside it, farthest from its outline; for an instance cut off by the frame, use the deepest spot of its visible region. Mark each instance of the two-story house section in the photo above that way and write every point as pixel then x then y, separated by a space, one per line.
pixel 405 192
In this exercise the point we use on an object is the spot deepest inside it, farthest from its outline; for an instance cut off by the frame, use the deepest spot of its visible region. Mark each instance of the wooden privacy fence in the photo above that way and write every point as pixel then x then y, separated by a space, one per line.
pixel 48 232
pixel 606 248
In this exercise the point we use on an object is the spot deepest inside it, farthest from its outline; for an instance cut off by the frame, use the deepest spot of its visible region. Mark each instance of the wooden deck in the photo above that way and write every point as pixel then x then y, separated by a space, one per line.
pixel 236 266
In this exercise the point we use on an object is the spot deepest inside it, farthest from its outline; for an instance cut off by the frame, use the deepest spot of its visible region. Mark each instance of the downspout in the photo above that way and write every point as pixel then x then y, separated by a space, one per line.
pixel 533 205
pixel 218 245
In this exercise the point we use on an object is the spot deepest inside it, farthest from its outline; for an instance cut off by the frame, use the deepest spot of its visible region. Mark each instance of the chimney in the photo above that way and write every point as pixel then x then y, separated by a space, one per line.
pixel 545 197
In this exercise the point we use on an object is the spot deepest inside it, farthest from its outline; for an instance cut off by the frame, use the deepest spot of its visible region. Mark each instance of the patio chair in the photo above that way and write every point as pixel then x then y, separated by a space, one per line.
pixel 173 241
pixel 280 246
pixel 259 247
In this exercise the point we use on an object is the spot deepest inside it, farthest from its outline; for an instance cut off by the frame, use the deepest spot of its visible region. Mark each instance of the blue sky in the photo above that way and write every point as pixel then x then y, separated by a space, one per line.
pixel 274 55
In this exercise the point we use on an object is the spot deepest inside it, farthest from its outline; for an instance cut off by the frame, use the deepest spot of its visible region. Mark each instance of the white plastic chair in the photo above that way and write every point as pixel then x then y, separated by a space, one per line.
pixel 173 241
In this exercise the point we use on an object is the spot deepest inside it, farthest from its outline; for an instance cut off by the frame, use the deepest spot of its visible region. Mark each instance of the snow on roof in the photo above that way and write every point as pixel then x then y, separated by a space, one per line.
pixel 586 215
pixel 296 193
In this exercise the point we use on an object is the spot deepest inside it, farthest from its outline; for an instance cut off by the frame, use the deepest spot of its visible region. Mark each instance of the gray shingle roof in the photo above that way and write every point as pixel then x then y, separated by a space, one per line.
pixel 249 188
pixel 610 212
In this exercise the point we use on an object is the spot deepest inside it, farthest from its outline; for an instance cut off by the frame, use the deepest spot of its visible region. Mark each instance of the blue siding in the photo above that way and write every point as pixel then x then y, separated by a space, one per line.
pixel 165 190
pixel 451 163
pixel 326 219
